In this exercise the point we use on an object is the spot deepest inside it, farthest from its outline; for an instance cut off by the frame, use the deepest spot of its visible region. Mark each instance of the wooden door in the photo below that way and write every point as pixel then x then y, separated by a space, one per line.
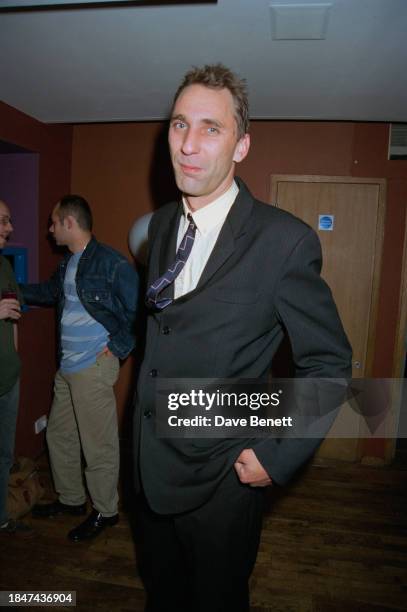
pixel 347 215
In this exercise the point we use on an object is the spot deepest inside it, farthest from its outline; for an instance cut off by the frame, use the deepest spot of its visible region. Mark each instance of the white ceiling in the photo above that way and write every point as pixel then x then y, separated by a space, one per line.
pixel 124 63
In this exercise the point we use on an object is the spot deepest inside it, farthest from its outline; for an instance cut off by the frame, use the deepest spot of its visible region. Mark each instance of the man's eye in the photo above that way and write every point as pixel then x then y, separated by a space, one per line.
pixel 179 125
pixel 213 130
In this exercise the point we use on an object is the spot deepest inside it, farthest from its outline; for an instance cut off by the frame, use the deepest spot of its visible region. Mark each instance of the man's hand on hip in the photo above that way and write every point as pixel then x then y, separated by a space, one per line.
pixel 250 471
pixel 106 352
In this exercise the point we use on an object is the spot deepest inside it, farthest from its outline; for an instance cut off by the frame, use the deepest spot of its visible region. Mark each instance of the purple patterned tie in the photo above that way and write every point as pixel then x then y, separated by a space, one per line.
pixel 171 274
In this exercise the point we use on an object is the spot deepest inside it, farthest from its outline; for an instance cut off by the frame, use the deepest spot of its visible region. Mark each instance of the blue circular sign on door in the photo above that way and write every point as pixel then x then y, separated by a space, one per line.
pixel 326 222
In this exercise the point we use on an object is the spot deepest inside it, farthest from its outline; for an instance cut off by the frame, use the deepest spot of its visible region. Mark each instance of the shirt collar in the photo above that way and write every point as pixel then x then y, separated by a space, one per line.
pixel 213 214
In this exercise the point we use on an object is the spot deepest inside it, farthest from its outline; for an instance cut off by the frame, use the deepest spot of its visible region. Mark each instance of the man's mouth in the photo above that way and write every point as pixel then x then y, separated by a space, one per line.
pixel 189 169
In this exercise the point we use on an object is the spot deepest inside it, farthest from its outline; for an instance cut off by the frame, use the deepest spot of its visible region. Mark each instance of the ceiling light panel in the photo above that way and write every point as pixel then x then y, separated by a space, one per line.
pixel 299 21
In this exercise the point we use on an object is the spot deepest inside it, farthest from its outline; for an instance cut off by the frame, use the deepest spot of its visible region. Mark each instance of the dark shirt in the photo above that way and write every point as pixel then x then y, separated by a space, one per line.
pixel 9 359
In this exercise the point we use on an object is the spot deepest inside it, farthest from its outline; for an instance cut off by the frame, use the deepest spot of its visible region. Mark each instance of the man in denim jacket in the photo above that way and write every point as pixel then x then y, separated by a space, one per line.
pixel 95 291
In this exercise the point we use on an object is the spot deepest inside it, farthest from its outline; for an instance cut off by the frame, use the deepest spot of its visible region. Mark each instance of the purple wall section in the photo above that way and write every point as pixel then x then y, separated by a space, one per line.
pixel 19 189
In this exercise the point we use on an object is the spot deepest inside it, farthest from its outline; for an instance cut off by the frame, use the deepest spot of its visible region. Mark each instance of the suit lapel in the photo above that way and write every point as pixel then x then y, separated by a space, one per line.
pixel 223 249
pixel 233 227
pixel 168 248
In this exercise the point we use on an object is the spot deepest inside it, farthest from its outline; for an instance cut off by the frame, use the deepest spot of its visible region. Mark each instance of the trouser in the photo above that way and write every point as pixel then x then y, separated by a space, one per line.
pixel 8 421
pixel 83 415
pixel 201 560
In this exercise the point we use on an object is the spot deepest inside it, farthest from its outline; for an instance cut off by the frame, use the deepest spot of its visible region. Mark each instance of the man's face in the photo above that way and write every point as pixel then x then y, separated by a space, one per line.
pixel 5 224
pixel 58 228
pixel 203 143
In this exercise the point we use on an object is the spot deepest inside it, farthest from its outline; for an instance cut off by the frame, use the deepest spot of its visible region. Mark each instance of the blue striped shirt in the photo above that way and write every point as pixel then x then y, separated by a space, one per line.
pixel 82 337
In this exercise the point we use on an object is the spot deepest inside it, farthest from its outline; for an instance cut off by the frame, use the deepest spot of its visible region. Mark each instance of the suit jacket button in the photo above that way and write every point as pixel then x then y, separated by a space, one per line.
pixel 166 330
pixel 153 373
pixel 147 414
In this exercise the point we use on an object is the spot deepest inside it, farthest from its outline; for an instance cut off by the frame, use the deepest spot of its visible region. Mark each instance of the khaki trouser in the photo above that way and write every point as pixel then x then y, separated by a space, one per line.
pixel 83 415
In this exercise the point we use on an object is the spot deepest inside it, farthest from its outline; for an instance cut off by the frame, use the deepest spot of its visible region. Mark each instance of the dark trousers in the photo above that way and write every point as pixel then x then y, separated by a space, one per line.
pixel 8 421
pixel 201 561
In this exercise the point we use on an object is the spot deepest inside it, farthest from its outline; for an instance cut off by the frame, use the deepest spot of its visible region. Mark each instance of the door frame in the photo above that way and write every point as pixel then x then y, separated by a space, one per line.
pixel 399 350
pixel 379 238
pixel 401 333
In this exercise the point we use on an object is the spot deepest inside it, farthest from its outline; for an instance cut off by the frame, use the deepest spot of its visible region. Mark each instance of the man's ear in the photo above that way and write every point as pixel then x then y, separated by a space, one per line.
pixel 242 148
pixel 69 222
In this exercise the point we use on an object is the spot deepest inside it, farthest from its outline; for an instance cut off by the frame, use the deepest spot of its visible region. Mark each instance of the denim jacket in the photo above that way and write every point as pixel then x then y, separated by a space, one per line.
pixel 107 287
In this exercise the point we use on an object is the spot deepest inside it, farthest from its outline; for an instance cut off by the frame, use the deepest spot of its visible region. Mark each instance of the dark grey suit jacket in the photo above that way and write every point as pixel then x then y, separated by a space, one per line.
pixel 261 281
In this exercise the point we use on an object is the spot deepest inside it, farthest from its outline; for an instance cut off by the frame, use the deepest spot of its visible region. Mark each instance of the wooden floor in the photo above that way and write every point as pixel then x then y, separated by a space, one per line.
pixel 335 541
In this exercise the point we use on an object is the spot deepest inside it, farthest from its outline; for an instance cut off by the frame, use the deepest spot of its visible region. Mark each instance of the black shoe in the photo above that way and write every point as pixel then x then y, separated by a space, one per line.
pixel 57 507
pixel 17 529
pixel 92 526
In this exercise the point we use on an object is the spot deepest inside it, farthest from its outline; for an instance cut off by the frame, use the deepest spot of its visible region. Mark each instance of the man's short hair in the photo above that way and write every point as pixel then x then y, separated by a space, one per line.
pixel 77 207
pixel 217 76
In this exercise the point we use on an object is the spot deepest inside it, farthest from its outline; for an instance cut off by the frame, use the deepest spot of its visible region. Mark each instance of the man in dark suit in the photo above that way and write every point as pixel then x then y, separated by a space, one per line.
pixel 228 276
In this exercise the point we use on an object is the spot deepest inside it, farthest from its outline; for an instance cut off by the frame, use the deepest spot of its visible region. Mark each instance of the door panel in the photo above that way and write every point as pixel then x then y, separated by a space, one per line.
pixel 351 261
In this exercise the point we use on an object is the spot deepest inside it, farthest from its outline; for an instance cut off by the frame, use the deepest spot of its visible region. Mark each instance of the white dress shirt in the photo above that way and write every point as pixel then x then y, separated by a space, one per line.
pixel 208 221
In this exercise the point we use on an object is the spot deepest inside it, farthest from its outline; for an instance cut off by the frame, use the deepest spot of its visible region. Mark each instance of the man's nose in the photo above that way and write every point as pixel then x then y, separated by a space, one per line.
pixel 191 143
